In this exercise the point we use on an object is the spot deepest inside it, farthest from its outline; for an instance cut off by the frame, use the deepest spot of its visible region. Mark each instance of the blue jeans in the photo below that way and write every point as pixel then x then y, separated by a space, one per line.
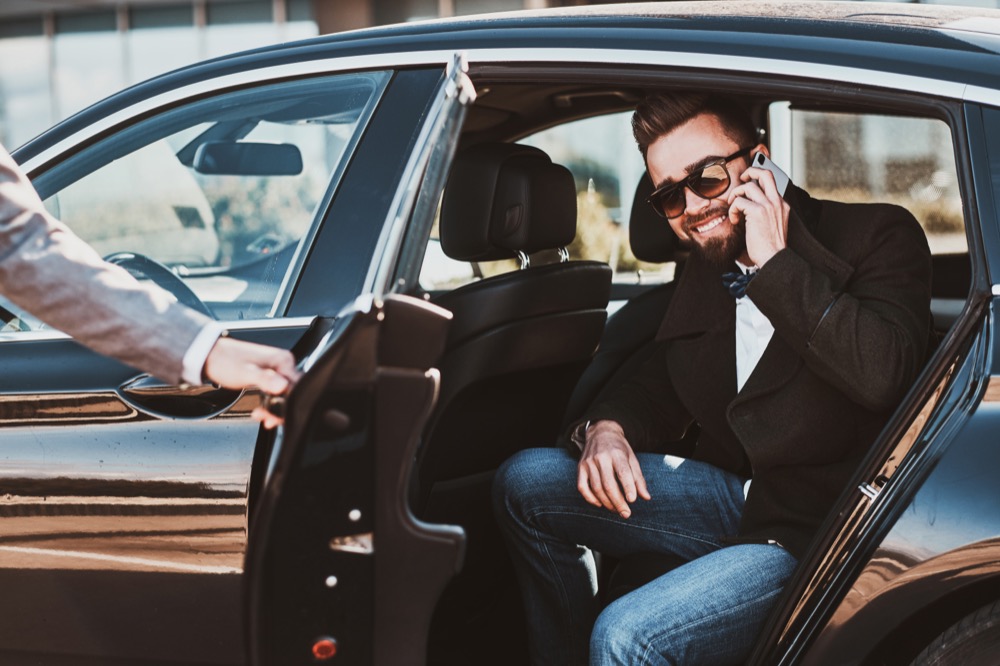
pixel 707 611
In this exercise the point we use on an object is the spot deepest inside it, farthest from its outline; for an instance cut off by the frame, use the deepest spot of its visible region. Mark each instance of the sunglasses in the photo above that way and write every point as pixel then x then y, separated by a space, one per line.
pixel 707 182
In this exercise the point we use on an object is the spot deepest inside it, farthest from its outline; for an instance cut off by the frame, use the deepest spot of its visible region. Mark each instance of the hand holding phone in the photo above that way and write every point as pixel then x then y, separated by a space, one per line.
pixel 765 220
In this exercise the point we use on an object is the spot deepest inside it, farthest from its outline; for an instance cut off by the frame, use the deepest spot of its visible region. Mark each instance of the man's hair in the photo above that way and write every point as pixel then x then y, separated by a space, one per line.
pixel 663 112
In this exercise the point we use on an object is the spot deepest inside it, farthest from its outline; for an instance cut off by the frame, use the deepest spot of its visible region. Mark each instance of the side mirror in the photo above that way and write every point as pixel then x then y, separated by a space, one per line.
pixel 224 158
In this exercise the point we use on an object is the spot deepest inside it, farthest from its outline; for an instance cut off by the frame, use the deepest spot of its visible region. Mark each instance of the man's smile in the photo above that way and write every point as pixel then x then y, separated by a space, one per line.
pixel 708 225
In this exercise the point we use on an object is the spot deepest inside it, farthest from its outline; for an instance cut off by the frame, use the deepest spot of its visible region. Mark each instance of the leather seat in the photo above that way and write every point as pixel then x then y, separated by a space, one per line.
pixel 628 340
pixel 515 349
pixel 519 341
pixel 629 335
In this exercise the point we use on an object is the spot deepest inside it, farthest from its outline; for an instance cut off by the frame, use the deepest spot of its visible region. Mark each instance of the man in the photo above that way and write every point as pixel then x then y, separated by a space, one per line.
pixel 50 272
pixel 789 383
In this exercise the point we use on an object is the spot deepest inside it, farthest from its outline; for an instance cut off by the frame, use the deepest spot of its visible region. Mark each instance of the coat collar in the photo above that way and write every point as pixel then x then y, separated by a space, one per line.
pixel 702 304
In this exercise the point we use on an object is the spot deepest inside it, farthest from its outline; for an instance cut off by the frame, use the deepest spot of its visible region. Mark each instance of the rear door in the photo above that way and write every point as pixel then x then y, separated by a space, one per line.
pixel 123 521
pixel 337 566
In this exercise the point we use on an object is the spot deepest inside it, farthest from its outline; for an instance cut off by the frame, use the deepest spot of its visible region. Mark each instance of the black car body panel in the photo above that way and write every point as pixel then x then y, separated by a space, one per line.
pixel 129 530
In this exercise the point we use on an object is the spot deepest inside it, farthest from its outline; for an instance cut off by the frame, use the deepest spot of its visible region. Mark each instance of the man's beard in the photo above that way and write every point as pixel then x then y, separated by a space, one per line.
pixel 719 251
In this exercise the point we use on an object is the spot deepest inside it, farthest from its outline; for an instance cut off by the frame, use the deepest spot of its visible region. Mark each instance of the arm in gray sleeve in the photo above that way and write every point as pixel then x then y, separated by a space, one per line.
pixel 50 272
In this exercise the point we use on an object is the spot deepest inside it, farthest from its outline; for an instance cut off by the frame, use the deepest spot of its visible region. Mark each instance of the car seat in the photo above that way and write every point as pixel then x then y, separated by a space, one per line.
pixel 629 335
pixel 516 347
pixel 518 341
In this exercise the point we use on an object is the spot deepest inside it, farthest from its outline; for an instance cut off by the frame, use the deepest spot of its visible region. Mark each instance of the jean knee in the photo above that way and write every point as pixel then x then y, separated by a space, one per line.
pixel 520 482
pixel 506 483
pixel 615 639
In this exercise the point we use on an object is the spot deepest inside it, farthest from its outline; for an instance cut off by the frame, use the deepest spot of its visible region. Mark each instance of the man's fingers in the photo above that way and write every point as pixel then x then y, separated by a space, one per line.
pixel 627 480
pixel 272 382
pixel 583 485
pixel 640 480
pixel 266 418
pixel 238 364
pixel 609 478
pixel 596 485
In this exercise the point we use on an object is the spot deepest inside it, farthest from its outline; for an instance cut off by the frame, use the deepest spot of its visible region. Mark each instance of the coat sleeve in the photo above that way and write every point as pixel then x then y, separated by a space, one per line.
pixel 867 337
pixel 646 406
pixel 48 271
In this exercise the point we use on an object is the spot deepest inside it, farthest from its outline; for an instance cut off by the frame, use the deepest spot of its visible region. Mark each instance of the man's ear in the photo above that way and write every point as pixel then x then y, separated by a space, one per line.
pixel 761 148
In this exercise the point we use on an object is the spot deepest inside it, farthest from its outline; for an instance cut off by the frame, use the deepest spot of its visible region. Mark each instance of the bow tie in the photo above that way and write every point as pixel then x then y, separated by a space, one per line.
pixel 736 282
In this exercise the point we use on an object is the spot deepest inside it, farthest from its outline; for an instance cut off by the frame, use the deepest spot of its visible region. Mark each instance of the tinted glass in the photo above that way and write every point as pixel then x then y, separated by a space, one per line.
pixel 229 231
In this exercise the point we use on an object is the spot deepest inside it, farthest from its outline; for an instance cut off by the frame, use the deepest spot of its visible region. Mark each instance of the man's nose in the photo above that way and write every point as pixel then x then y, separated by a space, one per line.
pixel 693 202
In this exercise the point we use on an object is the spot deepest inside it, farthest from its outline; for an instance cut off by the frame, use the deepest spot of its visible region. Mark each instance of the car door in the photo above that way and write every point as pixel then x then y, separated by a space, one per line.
pixel 258 194
pixel 335 557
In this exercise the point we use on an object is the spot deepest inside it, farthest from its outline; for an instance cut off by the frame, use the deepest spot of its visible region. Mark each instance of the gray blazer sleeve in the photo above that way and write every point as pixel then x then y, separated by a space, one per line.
pixel 50 272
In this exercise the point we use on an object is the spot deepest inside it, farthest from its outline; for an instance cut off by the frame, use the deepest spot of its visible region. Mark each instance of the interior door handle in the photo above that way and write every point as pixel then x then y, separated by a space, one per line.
pixel 156 398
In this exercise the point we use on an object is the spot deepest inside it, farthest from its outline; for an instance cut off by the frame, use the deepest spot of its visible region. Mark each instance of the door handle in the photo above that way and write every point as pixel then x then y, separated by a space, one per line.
pixel 157 398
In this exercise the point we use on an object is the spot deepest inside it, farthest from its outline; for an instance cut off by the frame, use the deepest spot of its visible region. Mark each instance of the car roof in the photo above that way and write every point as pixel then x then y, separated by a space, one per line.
pixel 919 22
pixel 955 44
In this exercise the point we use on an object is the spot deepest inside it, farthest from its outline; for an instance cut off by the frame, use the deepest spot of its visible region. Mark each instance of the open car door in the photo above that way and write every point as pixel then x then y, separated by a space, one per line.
pixel 337 569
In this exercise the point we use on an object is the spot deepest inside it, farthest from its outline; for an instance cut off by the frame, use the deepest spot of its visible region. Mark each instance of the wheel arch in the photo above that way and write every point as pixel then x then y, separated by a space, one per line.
pixel 919 628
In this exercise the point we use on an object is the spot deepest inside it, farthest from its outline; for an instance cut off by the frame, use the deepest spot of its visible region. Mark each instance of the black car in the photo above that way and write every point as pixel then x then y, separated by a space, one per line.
pixel 295 193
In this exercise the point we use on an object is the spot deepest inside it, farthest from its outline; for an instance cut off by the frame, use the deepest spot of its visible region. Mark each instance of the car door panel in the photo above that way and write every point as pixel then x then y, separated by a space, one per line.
pixel 115 524
pixel 335 558
pixel 131 533
pixel 319 581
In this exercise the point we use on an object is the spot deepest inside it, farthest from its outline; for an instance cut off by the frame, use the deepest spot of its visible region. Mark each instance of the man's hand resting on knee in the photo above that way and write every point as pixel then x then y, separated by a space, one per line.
pixel 608 474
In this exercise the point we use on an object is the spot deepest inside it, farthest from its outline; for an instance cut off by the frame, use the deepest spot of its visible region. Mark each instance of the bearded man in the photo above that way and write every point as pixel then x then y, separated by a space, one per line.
pixel 795 329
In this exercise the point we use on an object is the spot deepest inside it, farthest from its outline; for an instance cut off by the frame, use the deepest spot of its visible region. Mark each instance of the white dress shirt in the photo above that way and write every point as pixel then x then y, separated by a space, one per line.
pixel 197 353
pixel 753 332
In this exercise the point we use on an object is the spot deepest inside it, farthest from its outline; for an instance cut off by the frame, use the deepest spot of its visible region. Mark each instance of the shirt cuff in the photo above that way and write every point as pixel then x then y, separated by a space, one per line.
pixel 194 358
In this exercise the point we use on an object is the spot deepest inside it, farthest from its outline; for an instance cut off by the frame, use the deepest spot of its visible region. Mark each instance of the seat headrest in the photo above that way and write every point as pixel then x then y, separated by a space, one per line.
pixel 649 235
pixel 502 198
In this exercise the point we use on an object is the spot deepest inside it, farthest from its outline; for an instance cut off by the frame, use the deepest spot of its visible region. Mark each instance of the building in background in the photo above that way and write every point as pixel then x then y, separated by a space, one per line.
pixel 58 56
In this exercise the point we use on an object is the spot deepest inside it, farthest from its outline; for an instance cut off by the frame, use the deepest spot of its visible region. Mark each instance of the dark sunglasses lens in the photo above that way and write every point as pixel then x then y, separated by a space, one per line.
pixel 670 202
pixel 711 182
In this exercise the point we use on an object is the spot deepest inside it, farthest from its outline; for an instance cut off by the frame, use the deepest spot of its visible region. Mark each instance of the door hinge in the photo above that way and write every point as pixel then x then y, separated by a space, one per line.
pixel 871 490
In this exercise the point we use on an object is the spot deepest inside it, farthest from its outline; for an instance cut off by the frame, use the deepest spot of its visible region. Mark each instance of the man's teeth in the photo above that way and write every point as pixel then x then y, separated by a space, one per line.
pixel 708 226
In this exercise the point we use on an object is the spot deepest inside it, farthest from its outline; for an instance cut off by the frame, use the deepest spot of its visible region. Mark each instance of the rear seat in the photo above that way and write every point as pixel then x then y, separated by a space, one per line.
pixel 628 336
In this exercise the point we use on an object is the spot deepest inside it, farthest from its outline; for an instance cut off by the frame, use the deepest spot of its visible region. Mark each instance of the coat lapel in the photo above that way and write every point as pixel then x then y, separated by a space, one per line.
pixel 701 319
pixel 779 362
pixel 701 327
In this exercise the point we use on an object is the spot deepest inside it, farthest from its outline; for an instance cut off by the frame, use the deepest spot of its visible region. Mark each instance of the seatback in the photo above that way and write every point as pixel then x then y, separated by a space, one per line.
pixel 630 332
pixel 519 341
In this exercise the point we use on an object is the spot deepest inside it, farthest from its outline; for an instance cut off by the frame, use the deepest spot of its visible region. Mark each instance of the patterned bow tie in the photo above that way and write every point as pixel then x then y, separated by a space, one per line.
pixel 736 282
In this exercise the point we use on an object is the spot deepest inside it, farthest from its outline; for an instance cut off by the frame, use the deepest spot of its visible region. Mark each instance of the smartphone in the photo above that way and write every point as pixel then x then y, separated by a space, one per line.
pixel 780 177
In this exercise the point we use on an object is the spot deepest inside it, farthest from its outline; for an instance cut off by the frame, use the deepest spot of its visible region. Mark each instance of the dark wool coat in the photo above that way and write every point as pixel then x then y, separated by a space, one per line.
pixel 849 299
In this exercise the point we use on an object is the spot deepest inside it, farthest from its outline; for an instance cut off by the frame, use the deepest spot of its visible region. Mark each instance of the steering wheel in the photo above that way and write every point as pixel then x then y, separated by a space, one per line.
pixel 141 266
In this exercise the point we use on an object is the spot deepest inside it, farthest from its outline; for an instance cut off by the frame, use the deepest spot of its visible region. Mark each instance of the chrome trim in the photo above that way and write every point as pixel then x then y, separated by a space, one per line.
pixel 563 255
pixel 455 92
pixel 362 544
pixel 682 60
pixel 253 324
pixel 869 491
pixel 235 325
pixel 255 76
pixel 982 95
pixel 525 260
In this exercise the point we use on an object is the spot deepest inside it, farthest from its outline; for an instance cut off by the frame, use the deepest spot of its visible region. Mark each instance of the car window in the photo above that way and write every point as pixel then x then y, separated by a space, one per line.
pixel 852 157
pixel 222 192
pixel 856 157
pixel 601 155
